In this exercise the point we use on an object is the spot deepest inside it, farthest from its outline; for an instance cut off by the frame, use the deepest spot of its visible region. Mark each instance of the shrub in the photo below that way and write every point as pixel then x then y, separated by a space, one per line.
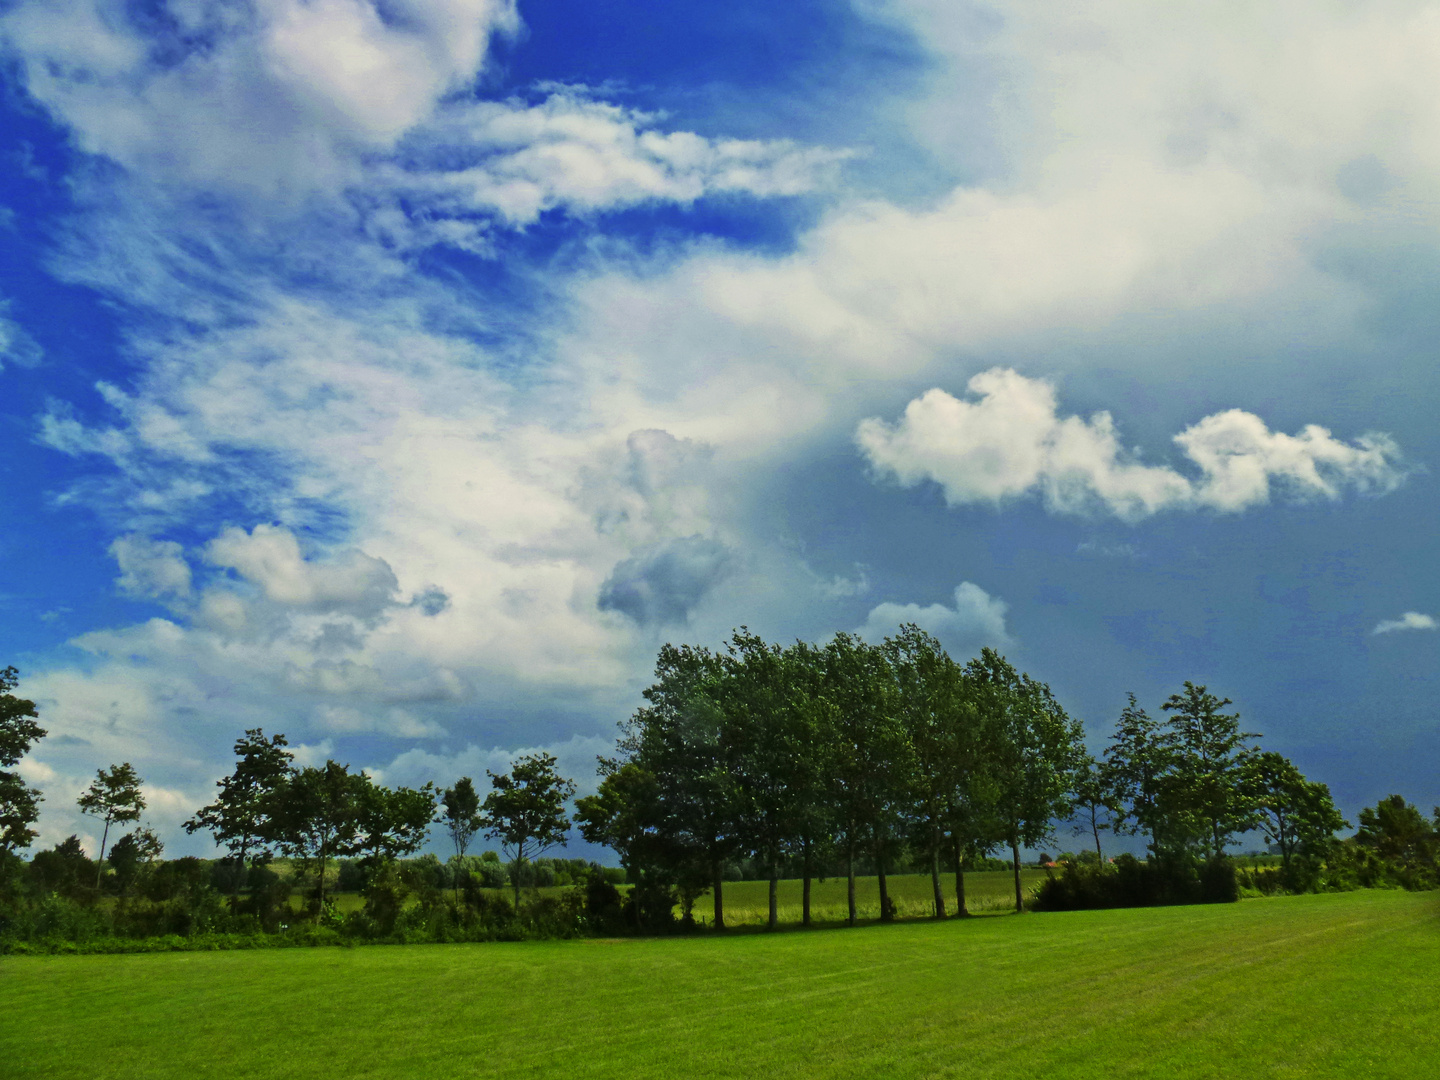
pixel 1132 883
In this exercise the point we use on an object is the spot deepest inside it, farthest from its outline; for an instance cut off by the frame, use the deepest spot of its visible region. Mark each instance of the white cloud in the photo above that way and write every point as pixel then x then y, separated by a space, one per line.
pixel 977 619
pixel 1411 620
pixel 151 568
pixel 16 344
pixel 516 161
pixel 1012 442
pixel 269 556
pixel 272 96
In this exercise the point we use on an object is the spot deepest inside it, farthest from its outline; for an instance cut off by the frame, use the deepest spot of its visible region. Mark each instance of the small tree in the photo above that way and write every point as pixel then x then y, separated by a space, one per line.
pixel 461 817
pixel 1135 761
pixel 240 818
pixel 1296 816
pixel 19 803
pixel 1094 801
pixel 623 816
pixel 525 811
pixel 317 817
pixel 131 854
pixel 1398 832
pixel 114 797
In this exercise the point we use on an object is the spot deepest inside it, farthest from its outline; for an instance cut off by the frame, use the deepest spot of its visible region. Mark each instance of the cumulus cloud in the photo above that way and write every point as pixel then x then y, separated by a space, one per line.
pixel 975 620
pixel 1013 442
pixel 150 568
pixel 662 583
pixel 269 556
pixel 1411 620
pixel 265 95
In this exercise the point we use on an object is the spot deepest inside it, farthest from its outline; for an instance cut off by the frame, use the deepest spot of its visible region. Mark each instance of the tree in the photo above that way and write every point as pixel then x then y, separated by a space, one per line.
pixel 1035 747
pixel 316 817
pixel 681 738
pixel 131 854
pixel 1295 815
pixel 624 815
pixel 867 754
pixel 461 817
pixel 525 810
pixel 242 816
pixel 811 766
pixel 1203 797
pixel 1094 801
pixel 393 822
pixel 1397 832
pixel 939 719
pixel 1135 761
pixel 19 803
pixel 756 701
pixel 113 796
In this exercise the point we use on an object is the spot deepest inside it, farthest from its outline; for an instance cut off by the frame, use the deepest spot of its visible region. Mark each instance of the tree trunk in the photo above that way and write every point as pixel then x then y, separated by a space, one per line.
pixel 1015 861
pixel 1095 828
pixel 321 909
pixel 100 862
pixel 935 873
pixel 718 891
pixel 805 890
pixel 960 908
pixel 884 889
pixel 850 881
pixel 774 895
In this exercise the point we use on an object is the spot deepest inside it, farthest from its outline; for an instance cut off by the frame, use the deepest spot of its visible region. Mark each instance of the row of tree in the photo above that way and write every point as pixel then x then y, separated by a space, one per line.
pixel 806 755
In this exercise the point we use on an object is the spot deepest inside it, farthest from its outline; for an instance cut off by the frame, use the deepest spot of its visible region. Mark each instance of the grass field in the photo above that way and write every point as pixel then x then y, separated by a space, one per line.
pixel 1312 986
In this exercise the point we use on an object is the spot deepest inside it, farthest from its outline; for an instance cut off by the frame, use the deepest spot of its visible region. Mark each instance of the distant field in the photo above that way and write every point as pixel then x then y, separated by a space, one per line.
pixel 1336 986
pixel 748 902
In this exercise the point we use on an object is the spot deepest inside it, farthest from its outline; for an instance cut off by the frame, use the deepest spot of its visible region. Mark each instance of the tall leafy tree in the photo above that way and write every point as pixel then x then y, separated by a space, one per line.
pixel 761 713
pixel 1136 761
pixel 132 854
pixel 812 736
pixel 1034 750
pixel 680 737
pixel 624 815
pixel 19 803
pixel 1297 816
pixel 938 720
pixel 241 817
pixel 871 759
pixel 525 810
pixel 1204 798
pixel 114 797
pixel 316 816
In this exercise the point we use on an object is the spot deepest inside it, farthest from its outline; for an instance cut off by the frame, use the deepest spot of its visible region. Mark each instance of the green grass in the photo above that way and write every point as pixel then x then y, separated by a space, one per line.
pixel 1314 986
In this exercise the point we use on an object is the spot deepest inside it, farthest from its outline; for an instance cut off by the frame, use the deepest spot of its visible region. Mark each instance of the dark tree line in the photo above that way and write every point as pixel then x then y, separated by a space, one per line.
pixel 816 755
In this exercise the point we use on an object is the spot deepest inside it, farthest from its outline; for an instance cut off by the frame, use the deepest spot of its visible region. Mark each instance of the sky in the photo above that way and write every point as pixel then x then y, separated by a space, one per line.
pixel 400 374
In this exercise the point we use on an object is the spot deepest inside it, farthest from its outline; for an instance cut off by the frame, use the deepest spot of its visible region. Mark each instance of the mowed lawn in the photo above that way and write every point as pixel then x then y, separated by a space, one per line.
pixel 1314 986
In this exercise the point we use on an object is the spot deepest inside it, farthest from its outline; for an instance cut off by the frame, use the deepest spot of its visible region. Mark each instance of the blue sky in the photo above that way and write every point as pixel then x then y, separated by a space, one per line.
pixel 400 375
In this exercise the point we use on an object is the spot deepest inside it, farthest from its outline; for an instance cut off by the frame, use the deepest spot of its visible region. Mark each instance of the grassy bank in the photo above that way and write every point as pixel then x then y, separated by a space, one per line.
pixel 1335 985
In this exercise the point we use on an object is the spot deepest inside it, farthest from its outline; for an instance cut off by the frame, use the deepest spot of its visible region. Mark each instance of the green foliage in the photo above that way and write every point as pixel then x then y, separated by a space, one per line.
pixel 114 797
pixel 525 809
pixel 1128 882
pixel 242 817
pixel 19 803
